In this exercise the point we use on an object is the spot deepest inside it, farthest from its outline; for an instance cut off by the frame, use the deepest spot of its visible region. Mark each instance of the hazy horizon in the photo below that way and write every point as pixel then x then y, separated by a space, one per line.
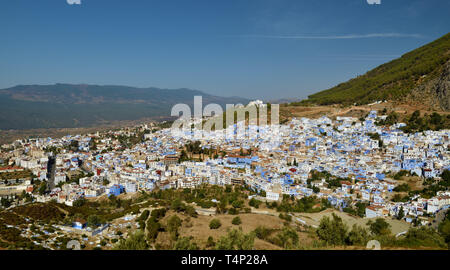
pixel 259 49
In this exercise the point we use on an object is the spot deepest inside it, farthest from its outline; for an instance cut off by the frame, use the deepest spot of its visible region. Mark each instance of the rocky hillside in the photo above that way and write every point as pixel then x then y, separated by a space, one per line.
pixel 435 93
pixel 420 76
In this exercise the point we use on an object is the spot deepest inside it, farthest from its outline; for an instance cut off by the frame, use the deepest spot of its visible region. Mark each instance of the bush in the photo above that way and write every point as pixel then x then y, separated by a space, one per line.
pixel 358 236
pixel 333 232
pixel 215 224
pixel 185 243
pixel 153 228
pixel 233 211
pixel 262 232
pixel 402 188
pixel 136 241
pixel 254 203
pixel 173 224
pixel 210 242
pixel 423 237
pixel 236 221
pixel 379 227
pixel 236 240
pixel 158 213
pixel 286 217
pixel 287 238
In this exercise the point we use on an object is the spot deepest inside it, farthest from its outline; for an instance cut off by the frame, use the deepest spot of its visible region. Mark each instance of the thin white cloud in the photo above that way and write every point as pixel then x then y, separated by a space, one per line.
pixel 347 36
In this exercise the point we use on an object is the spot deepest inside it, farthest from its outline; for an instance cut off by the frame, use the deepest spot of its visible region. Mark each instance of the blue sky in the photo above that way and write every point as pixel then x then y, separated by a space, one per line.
pixel 251 48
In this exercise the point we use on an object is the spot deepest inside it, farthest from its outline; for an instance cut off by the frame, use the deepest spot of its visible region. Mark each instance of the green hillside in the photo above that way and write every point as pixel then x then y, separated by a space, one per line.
pixel 391 81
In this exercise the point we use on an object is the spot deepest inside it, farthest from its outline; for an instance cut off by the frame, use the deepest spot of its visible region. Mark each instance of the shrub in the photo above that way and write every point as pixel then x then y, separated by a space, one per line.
pixel 286 217
pixel 135 241
pixel 185 243
pixel 262 232
pixel 215 224
pixel 423 237
pixel 287 238
pixel 333 231
pixel 236 240
pixel 236 221
pixel 379 227
pixel 210 242
pixel 358 236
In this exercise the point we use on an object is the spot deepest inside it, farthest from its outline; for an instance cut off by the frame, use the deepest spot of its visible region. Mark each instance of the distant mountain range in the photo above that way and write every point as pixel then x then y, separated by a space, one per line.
pixel 69 105
pixel 418 77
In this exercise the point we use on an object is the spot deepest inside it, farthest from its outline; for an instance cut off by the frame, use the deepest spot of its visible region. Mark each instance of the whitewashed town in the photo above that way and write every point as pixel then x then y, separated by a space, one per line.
pixel 359 155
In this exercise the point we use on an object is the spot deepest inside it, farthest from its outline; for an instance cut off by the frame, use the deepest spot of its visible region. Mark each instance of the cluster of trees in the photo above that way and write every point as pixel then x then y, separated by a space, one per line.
pixel 309 204
pixel 254 203
pixel 286 238
pixel 332 181
pixel 402 188
pixel 129 141
pixel 202 196
pixel 390 120
pixel 435 121
pixel 136 241
pixel 192 148
pixel 444 229
pixel 333 231
pixel 400 174
pixel 10 238
pixel 153 224
pixel 5 202
pixel 236 239
pixel 178 206
pixel 432 188
pixel 358 210
pixel 46 212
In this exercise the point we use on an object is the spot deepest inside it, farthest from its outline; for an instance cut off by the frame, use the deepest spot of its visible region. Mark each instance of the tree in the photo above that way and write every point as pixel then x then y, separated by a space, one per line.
pixel 42 188
pixel 80 202
pixel 144 216
pixel 190 210
pixel 288 238
pixel 401 213
pixel 236 240
pixel 333 232
pixel 173 224
pixel 93 221
pixel 379 227
pixel 177 205
pixel 262 232
pixel 185 243
pixel 236 221
pixel 423 237
pixel 254 203
pixel 210 242
pixel 135 241
pixel 358 236
pixel 237 204
pixel 215 224
pixel 4 202
pixel 153 228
